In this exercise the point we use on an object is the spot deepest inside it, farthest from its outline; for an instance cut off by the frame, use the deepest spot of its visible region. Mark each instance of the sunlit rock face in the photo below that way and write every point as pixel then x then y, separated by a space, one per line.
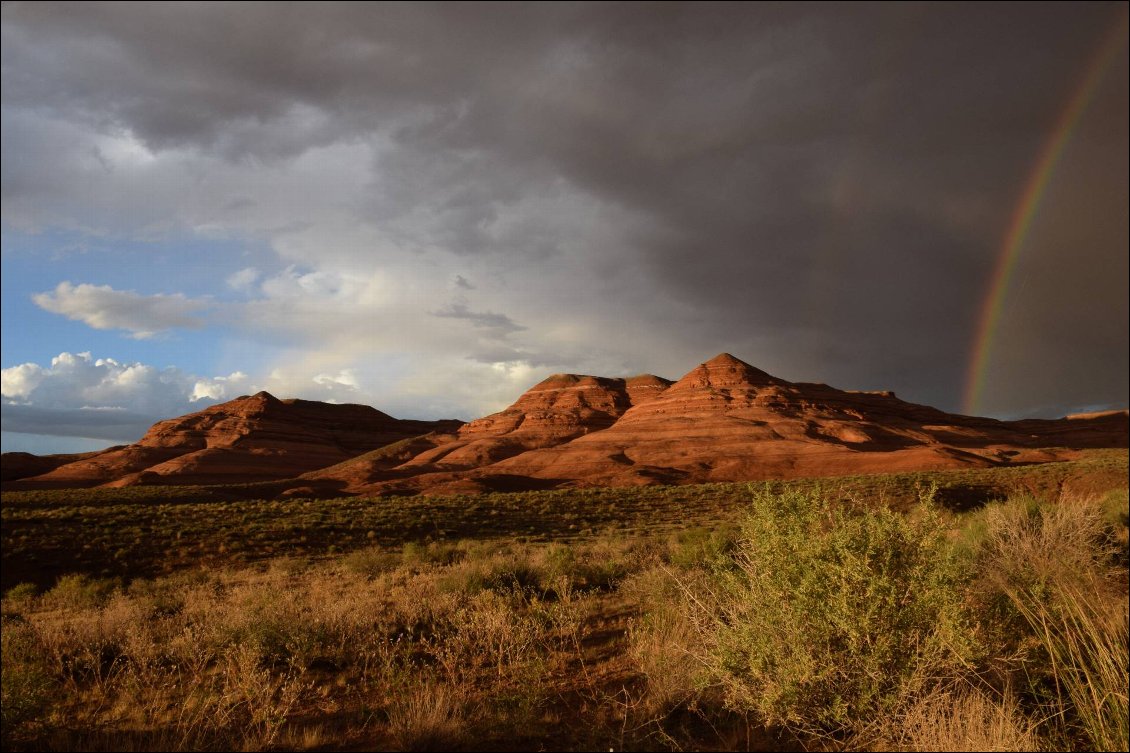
pixel 726 420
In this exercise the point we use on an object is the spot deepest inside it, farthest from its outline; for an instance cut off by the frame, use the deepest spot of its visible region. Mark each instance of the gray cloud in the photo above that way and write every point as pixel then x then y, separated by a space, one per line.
pixel 820 189
pixel 499 323
pixel 116 425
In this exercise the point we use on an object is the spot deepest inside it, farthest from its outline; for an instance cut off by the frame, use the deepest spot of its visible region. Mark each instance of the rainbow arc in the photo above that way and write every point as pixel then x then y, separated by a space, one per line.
pixel 1027 207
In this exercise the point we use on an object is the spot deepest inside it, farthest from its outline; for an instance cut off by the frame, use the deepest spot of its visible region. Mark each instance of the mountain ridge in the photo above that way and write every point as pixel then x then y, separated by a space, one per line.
pixel 724 420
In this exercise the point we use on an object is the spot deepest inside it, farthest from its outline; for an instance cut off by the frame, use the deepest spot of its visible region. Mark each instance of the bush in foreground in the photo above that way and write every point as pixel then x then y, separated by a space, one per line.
pixel 823 618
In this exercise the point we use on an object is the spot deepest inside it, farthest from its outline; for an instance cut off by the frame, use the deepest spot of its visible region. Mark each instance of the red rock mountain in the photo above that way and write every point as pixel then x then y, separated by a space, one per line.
pixel 254 438
pixel 723 421
pixel 728 421
pixel 552 412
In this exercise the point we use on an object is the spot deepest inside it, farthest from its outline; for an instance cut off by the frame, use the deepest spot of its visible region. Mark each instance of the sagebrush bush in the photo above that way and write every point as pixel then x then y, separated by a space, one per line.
pixel 21 595
pixel 433 553
pixel 77 591
pixel 371 561
pixel 824 618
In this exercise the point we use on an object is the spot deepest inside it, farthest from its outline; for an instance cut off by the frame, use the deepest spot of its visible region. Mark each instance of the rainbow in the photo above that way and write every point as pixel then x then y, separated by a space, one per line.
pixel 1021 221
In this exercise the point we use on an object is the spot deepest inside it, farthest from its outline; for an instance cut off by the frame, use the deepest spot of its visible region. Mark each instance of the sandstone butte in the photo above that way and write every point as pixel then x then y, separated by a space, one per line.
pixel 723 421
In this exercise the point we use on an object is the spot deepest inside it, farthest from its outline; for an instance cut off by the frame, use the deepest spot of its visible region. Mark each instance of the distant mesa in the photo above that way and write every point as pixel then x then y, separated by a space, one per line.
pixel 724 420
pixel 19 465
pixel 250 438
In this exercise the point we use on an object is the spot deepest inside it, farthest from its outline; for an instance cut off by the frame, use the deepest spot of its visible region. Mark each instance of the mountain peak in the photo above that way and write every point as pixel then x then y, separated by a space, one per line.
pixel 725 359
pixel 724 370
pixel 557 381
pixel 262 397
pixel 646 379
pixel 246 405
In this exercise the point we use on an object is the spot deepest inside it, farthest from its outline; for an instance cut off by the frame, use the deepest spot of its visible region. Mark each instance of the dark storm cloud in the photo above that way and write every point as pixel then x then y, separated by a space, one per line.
pixel 826 186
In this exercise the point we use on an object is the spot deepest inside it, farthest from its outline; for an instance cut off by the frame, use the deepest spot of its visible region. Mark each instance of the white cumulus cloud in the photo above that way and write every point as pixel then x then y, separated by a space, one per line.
pixel 218 388
pixel 344 378
pixel 103 307
pixel 79 395
pixel 19 381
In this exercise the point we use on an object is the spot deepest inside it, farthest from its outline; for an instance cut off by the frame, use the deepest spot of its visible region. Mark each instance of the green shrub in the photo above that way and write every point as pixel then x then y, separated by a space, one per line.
pixel 164 597
pixel 700 546
pixel 21 595
pixel 824 619
pixel 371 561
pixel 600 574
pixel 566 568
pixel 434 553
pixel 498 574
pixel 81 591
pixel 513 576
pixel 560 560
pixel 276 631
pixel 26 684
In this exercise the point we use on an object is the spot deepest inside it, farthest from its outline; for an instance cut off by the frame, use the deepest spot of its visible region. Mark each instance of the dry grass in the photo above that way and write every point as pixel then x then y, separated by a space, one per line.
pixel 427 717
pixel 665 646
pixel 244 659
pixel 1086 637
pixel 963 719
pixel 597 644
pixel 1053 563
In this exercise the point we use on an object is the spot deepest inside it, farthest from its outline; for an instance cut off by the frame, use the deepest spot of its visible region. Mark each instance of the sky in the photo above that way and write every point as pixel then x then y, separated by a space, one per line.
pixel 428 208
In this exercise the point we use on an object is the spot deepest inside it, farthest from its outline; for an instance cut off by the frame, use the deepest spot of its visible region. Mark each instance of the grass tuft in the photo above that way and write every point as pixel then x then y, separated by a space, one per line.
pixel 427 717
